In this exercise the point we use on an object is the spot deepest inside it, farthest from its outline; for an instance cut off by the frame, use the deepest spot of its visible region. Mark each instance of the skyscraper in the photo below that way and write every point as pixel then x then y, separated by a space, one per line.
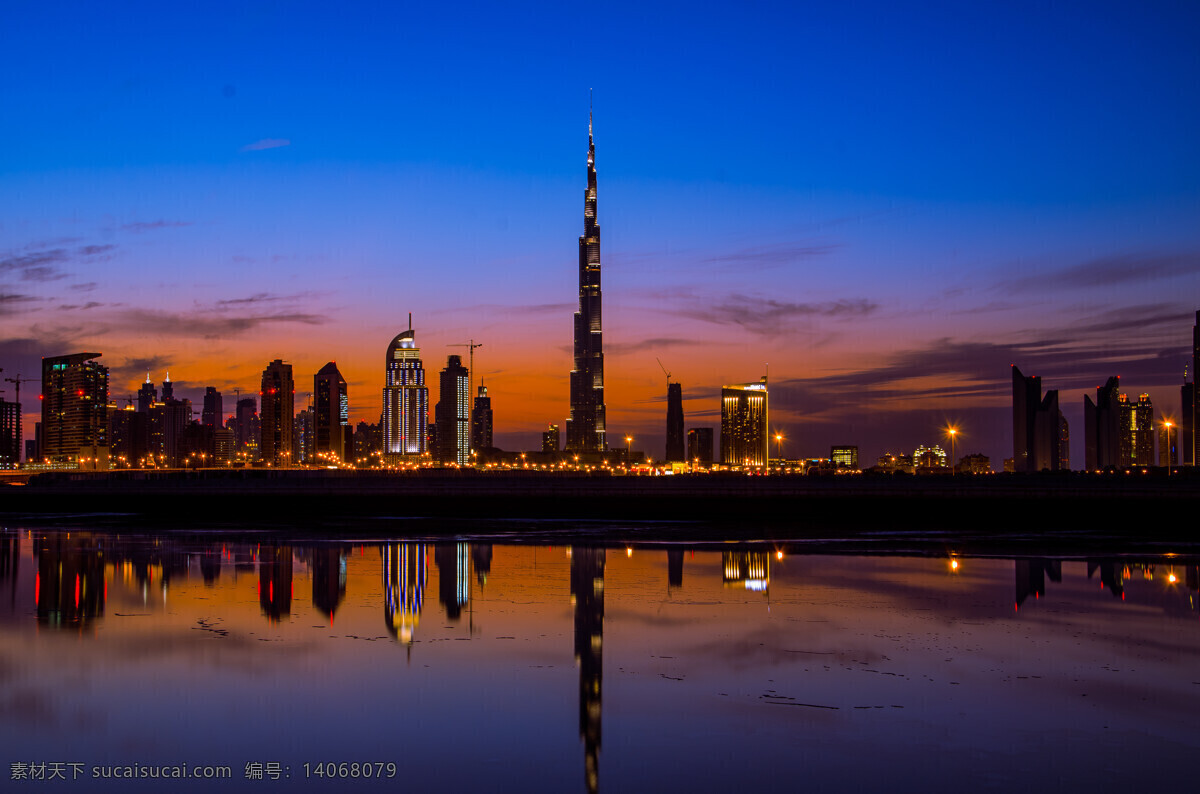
pixel 405 397
pixel 213 414
pixel 147 395
pixel 332 412
pixel 10 434
pixel 550 439
pixel 1101 420
pixel 675 451
pixel 278 413
pixel 744 424
pixel 452 414
pixel 246 427
pixel 585 425
pixel 1137 431
pixel 481 421
pixel 1037 425
pixel 1194 407
pixel 1187 426
pixel 700 445
pixel 74 408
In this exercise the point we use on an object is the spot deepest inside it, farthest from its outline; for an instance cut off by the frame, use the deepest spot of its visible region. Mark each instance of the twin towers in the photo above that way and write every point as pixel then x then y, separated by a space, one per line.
pixel 406 397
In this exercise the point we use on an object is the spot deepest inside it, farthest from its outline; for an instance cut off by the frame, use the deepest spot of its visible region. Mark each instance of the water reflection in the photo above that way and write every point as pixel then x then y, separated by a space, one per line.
pixel 843 634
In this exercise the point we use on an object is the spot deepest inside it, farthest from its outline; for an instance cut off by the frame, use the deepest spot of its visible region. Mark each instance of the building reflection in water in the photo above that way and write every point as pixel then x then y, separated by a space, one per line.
pixel 481 559
pixel 275 581
pixel 10 564
pixel 70 590
pixel 452 562
pixel 328 579
pixel 587 596
pixel 403 587
pixel 1031 577
pixel 748 569
pixel 674 568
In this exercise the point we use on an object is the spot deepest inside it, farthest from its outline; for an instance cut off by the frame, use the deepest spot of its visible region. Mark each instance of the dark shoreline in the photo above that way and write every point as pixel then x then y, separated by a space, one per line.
pixel 1069 504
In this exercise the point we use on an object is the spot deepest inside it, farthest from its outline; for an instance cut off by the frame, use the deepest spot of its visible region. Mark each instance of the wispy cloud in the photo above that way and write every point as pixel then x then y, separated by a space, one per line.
pixel 265 143
pixel 137 227
pixel 208 324
pixel 44 265
pixel 769 317
pixel 263 297
pixel 1111 270
pixel 772 256
pixel 658 343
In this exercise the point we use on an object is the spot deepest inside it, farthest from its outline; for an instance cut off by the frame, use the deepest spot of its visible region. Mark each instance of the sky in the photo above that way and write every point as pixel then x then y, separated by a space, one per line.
pixel 882 206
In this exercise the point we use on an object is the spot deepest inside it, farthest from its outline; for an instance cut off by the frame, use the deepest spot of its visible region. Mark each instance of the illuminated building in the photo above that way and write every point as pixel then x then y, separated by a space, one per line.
pixel 303 442
pixel 675 449
pixel 128 436
pixel 453 414
pixel 929 457
pixel 213 414
pixel 1101 427
pixel 550 440
pixel 276 417
pixel 224 447
pixel 585 426
pixel 1137 431
pixel 975 464
pixel 405 398
pixel 844 457
pixel 331 413
pixel 74 410
pixel 1038 425
pixel 744 424
pixel 700 445
pixel 587 596
pixel 166 422
pixel 481 421
pixel 168 390
pixel 10 434
pixel 404 575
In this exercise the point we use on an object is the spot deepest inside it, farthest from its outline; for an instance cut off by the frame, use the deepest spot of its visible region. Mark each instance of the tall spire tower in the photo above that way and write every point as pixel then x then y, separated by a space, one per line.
pixel 585 426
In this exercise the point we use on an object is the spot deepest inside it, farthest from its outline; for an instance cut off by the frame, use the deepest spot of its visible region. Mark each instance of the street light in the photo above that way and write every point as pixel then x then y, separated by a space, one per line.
pixel 628 443
pixel 953 433
pixel 1167 425
pixel 779 449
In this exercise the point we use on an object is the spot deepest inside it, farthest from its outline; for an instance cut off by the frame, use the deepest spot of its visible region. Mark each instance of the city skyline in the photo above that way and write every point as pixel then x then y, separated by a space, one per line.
pixel 889 240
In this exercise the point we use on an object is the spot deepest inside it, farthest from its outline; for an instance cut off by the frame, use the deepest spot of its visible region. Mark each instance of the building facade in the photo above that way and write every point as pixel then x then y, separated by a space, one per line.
pixel 586 423
pixel 452 414
pixel 277 416
pixel 481 421
pixel 1137 431
pixel 744 436
pixel 1101 427
pixel 74 410
pixel 700 445
pixel 550 439
pixel 213 413
pixel 10 434
pixel 675 450
pixel 405 398
pixel 1038 425
pixel 332 413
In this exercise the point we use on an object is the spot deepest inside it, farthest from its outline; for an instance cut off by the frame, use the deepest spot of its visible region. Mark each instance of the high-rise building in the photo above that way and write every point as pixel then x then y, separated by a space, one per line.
pixel 10 434
pixel 1101 427
pixel 168 390
pixel 278 397
pixel 1137 431
pixel 1168 441
pixel 675 451
pixel 304 435
pixel 147 395
pixel 213 414
pixel 700 445
pixel 128 437
pixel 452 414
pixel 246 427
pixel 585 426
pixel 405 398
pixel 744 424
pixel 1187 427
pixel 332 412
pixel 74 409
pixel 167 421
pixel 1195 402
pixel 481 421
pixel 1037 425
pixel 550 439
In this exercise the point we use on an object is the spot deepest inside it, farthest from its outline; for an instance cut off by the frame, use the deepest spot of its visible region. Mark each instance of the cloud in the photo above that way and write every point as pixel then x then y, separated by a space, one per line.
pixel 138 227
pixel 96 250
pixel 208 324
pixel 43 265
pixel 1111 270
pixel 769 317
pixel 263 297
pixel 772 256
pixel 87 286
pixel 42 273
pixel 657 343
pixel 265 143
pixel 15 303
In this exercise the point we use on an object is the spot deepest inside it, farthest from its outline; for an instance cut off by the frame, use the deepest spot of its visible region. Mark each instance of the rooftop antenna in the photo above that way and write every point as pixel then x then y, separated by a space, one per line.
pixel 410 321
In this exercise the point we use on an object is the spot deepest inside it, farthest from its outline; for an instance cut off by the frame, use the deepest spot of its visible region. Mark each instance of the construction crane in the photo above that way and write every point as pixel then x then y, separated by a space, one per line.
pixel 664 369
pixel 18 381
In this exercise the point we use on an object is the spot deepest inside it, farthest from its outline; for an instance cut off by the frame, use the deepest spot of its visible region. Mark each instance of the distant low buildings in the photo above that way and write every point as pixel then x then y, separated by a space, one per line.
pixel 844 457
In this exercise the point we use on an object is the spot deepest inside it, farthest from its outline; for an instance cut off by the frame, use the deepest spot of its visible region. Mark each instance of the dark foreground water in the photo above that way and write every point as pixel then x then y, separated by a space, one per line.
pixel 335 666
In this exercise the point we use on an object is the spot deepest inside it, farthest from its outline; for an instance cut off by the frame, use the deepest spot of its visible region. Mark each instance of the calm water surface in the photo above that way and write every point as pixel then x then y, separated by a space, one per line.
pixel 466 665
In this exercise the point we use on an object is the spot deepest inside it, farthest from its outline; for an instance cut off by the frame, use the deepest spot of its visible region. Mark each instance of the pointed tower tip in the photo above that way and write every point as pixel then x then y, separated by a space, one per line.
pixel 410 321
